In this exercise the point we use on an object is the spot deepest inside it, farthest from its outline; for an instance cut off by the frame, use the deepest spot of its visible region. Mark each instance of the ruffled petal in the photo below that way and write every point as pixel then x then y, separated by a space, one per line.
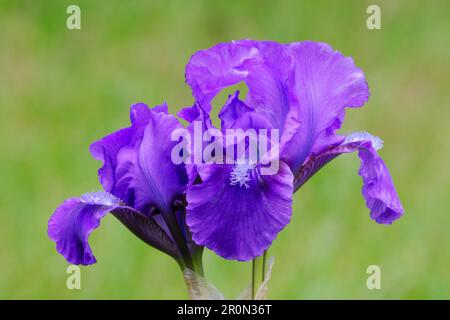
pixel 73 221
pixel 213 69
pixel 264 66
pixel 238 214
pixel 147 171
pixel 137 160
pixel 325 83
pixel 236 114
pixel 107 148
pixel 198 118
pixel 270 84
pixel 378 188
pixel 233 109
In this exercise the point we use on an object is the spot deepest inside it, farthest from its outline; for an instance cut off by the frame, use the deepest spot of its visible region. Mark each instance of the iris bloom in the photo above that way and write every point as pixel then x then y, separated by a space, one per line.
pixel 302 89
pixel 143 189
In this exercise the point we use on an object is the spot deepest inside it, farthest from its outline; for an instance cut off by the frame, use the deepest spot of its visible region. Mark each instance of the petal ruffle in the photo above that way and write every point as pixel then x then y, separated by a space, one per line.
pixel 236 114
pixel 213 69
pixel 197 117
pixel 148 169
pixel 270 84
pixel 232 111
pixel 107 148
pixel 137 160
pixel 264 66
pixel 75 219
pixel 239 221
pixel 325 83
pixel 378 188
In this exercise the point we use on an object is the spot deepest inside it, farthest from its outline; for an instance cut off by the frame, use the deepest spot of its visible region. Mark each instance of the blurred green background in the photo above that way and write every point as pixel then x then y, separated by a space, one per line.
pixel 62 89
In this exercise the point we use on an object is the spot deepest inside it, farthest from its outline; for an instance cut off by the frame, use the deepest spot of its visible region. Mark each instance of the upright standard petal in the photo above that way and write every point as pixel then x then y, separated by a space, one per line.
pixel 74 220
pixel 325 83
pixel 378 188
pixel 137 160
pixel 107 148
pixel 270 83
pixel 265 66
pixel 236 114
pixel 149 170
pixel 197 116
pixel 237 212
pixel 232 111
pixel 213 69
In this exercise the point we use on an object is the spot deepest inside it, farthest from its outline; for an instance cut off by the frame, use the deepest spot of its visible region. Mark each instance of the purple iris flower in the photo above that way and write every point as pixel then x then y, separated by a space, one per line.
pixel 301 89
pixel 144 189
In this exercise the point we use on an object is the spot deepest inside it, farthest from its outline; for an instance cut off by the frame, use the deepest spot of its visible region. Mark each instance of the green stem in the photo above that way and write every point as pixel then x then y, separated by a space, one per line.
pixel 197 258
pixel 263 276
pixel 253 278
pixel 256 270
pixel 195 288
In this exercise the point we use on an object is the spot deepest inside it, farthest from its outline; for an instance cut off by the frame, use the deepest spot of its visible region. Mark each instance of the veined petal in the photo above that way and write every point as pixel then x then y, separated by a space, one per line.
pixel 195 115
pixel 265 66
pixel 233 109
pixel 147 171
pixel 225 64
pixel 107 148
pixel 73 221
pixel 236 114
pixel 270 84
pixel 137 160
pixel 325 83
pixel 238 214
pixel 378 188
